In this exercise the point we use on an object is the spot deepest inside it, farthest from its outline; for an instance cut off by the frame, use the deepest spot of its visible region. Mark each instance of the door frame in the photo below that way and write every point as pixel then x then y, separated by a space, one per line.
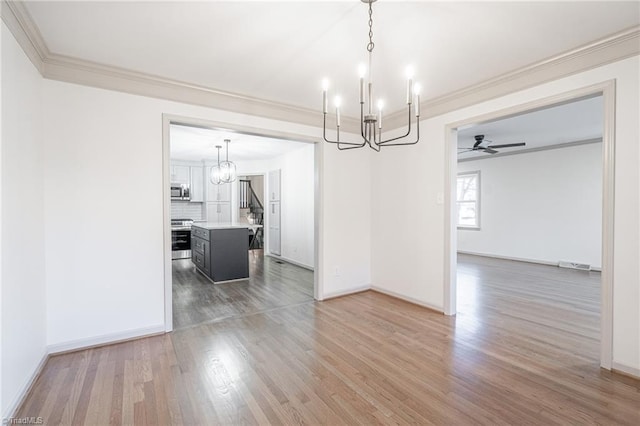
pixel 167 120
pixel 607 90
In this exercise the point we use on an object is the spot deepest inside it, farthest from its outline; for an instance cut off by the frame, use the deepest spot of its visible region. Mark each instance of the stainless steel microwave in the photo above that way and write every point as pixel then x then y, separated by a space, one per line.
pixel 180 192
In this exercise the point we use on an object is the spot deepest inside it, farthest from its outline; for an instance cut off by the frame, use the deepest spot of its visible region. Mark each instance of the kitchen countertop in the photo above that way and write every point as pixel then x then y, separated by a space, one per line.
pixel 213 225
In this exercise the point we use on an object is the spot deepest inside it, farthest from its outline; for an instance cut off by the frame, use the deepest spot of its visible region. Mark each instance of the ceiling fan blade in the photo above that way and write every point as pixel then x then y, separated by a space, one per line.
pixel 490 151
pixel 466 150
pixel 508 145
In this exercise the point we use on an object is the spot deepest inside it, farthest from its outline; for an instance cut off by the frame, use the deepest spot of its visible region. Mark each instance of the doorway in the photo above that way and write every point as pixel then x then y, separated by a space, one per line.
pixel 606 90
pixel 274 279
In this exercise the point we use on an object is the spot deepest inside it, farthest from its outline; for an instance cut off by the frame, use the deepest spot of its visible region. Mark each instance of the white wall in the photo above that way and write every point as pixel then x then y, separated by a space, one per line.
pixel 296 206
pixel 22 243
pixel 408 253
pixel 543 206
pixel 297 200
pixel 104 148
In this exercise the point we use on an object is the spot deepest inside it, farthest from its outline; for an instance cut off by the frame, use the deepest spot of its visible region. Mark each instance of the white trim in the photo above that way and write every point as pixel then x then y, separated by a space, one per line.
pixel 607 90
pixel 293 262
pixel 516 259
pixel 519 259
pixel 318 226
pixel 625 369
pixel 166 222
pixel 450 225
pixel 167 120
pixel 20 397
pixel 337 294
pixel 608 220
pixel 612 48
pixel 529 150
pixel 105 339
pixel 25 31
pixel 407 299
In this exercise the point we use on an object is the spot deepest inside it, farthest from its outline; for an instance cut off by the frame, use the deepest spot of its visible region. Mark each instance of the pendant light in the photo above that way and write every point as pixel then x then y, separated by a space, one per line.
pixel 214 175
pixel 224 171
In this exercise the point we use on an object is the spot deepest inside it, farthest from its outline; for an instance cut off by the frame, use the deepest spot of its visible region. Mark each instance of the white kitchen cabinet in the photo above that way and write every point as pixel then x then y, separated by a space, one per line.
pixel 218 192
pixel 274 241
pixel 274 228
pixel 197 184
pixel 219 212
pixel 180 174
pixel 274 185
pixel 274 215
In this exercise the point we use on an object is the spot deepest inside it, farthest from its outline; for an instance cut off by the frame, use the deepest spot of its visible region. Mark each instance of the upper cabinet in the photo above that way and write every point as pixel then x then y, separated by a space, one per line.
pixel 274 185
pixel 197 184
pixel 180 174
pixel 218 192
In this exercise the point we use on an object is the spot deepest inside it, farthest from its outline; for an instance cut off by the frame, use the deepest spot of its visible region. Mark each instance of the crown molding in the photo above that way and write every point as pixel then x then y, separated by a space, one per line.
pixel 530 150
pixel 53 66
pixel 78 71
pixel 612 48
pixel 25 31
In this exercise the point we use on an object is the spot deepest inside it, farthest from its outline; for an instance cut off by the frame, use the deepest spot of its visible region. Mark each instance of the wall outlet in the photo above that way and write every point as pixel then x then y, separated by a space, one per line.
pixel 440 198
pixel 336 272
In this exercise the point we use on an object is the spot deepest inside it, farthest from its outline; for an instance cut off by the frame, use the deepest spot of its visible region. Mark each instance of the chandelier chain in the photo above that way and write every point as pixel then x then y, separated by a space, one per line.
pixel 370 45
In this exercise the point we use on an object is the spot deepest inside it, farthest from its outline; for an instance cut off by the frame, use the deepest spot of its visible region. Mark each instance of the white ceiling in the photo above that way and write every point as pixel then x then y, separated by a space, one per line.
pixel 197 144
pixel 573 122
pixel 280 51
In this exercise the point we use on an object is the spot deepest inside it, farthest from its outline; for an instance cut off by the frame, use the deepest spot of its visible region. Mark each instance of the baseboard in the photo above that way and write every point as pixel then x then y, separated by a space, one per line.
pixel 105 339
pixel 17 402
pixel 625 370
pixel 520 259
pixel 293 262
pixel 349 292
pixel 408 299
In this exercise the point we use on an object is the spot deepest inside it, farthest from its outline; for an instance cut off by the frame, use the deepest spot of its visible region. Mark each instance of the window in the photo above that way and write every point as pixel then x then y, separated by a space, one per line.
pixel 468 200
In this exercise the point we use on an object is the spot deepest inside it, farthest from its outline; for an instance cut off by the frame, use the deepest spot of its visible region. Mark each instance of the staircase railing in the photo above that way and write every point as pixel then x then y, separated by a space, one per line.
pixel 249 199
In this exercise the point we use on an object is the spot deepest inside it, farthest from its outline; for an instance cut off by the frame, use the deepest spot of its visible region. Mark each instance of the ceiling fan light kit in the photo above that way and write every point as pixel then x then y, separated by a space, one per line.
pixel 224 171
pixel 370 121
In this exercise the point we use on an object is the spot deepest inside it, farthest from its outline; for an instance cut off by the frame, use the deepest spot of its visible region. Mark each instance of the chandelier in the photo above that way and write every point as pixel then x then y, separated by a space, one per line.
pixel 370 122
pixel 224 171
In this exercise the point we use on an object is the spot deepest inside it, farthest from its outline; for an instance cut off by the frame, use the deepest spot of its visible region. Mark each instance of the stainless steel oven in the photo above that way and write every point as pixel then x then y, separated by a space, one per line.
pixel 181 238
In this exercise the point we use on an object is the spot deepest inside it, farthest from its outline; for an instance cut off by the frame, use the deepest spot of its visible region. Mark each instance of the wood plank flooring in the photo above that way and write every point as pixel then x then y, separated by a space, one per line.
pixel 272 284
pixel 363 359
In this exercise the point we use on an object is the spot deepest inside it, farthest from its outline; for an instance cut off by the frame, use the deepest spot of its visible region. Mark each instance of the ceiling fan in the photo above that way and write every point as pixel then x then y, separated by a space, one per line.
pixel 485 146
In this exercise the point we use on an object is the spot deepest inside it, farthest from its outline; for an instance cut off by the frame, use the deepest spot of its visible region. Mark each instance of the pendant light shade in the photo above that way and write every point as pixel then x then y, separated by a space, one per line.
pixel 214 174
pixel 224 171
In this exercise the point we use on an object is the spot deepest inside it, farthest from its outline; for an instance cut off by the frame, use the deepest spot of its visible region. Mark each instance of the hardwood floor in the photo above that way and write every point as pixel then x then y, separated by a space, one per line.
pixel 272 284
pixel 514 355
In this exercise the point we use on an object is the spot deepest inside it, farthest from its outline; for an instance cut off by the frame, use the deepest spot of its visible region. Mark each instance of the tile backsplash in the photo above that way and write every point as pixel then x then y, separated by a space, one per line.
pixel 186 210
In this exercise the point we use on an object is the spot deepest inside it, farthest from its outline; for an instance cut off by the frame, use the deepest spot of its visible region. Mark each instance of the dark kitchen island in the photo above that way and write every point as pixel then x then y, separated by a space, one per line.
pixel 221 251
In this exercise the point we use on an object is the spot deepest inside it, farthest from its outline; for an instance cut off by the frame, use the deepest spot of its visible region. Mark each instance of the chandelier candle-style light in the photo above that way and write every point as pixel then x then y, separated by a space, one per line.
pixel 224 171
pixel 370 122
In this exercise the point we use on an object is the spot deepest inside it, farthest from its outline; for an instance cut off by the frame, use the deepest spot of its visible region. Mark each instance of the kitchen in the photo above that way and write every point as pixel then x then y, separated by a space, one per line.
pixel 233 239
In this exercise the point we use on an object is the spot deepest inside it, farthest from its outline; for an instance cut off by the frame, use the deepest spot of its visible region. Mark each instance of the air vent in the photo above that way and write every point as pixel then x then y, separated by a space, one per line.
pixel 573 265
